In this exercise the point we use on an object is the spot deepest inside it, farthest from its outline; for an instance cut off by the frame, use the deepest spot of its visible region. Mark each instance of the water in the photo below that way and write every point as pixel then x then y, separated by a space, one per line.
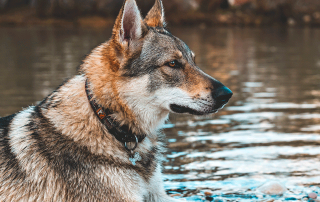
pixel 269 131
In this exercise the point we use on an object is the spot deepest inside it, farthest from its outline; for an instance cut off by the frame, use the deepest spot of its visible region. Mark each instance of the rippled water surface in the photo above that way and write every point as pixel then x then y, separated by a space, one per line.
pixel 269 131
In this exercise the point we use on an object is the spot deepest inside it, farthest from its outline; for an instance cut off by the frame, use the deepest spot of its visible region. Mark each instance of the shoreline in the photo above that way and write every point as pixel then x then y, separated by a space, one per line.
pixel 27 17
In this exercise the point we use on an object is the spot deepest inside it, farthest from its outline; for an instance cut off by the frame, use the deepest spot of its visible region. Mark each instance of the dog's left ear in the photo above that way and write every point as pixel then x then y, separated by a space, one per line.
pixel 129 26
pixel 155 17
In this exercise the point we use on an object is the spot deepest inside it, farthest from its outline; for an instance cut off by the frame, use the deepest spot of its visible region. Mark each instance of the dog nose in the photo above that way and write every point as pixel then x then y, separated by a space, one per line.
pixel 221 96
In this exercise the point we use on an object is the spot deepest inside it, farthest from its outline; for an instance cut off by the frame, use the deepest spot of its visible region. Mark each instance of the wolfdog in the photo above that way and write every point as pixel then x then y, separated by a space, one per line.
pixel 97 138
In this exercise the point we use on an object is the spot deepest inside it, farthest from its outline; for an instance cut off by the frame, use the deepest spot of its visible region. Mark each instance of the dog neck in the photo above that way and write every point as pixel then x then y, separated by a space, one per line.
pixel 121 133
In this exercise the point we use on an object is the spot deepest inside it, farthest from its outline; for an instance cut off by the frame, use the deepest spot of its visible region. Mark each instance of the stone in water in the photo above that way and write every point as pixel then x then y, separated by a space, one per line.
pixel 272 188
pixel 312 195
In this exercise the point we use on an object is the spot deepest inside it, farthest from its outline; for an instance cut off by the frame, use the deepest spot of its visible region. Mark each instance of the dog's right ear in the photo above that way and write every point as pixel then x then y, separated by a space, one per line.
pixel 155 17
pixel 129 25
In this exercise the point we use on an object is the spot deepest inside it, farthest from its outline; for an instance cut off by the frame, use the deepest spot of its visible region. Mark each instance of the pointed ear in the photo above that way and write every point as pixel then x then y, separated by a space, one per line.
pixel 155 17
pixel 129 25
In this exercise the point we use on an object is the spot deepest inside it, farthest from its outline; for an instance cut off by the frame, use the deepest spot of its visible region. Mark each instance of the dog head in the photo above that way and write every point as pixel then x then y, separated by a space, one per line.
pixel 161 67
pixel 153 72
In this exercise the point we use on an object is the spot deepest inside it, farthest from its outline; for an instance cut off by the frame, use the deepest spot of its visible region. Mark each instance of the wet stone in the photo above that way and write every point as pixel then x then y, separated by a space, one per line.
pixel 209 198
pixel 312 195
pixel 208 193
pixel 272 188
pixel 172 195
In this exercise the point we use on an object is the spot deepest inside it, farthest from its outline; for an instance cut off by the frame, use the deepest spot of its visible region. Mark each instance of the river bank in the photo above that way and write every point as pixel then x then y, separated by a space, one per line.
pixel 230 17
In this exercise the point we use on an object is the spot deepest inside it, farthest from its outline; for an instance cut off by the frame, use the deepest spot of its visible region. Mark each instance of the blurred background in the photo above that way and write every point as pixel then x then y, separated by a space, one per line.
pixel 207 12
pixel 266 51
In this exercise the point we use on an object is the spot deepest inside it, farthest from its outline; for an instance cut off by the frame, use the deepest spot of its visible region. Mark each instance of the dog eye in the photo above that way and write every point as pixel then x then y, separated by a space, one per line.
pixel 174 63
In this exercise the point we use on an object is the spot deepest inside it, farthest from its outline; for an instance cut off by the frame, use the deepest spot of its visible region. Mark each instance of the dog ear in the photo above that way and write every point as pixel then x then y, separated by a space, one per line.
pixel 129 25
pixel 155 17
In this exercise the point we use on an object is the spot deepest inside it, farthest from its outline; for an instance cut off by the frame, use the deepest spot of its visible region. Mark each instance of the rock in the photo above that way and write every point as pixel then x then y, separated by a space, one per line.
pixel 316 15
pixel 268 200
pixel 307 18
pixel 209 198
pixel 272 188
pixel 291 22
pixel 208 193
pixel 312 195
pixel 172 195
pixel 260 196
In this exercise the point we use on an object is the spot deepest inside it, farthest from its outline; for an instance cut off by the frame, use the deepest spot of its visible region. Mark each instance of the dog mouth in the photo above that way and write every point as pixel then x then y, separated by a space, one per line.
pixel 183 109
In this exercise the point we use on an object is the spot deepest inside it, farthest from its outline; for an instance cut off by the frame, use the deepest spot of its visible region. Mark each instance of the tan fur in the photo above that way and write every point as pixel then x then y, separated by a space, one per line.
pixel 153 19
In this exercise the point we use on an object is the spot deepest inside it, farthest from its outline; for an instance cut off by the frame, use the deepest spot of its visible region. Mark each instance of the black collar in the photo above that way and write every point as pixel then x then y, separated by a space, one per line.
pixel 121 133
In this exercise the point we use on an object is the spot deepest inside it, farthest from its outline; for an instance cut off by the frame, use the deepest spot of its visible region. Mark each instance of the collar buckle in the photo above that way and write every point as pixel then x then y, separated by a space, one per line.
pixel 135 144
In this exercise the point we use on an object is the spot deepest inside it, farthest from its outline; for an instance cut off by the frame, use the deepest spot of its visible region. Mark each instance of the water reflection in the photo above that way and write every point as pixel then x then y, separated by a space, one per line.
pixel 270 130
pixel 34 61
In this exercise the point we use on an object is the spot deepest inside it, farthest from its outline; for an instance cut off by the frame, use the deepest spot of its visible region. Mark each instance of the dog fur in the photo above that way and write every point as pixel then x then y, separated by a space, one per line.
pixel 58 150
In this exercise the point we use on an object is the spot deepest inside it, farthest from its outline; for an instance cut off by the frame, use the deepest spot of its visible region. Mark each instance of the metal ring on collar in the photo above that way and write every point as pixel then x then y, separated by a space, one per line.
pixel 135 146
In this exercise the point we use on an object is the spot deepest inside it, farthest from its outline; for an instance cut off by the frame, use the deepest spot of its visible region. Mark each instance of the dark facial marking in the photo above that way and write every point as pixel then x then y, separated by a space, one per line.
pixel 159 78
pixel 174 78
pixel 141 63
pixel 185 50
pixel 182 109
pixel 129 67
pixel 155 82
